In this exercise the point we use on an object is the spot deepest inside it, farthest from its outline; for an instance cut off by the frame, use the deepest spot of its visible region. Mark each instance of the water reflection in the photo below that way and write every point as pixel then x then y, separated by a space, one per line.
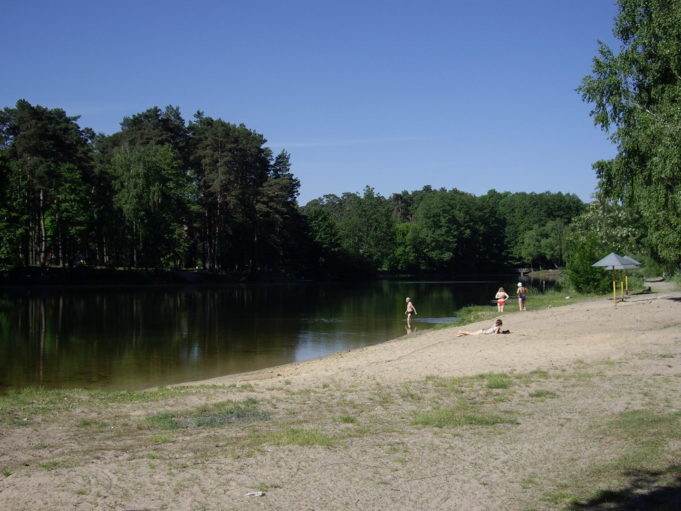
pixel 136 338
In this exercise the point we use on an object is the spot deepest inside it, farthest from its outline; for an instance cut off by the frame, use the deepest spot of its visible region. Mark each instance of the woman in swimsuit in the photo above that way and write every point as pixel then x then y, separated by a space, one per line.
pixel 501 298
pixel 494 329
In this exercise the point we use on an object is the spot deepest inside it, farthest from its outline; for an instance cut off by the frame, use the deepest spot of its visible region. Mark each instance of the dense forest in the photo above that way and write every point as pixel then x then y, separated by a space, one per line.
pixel 207 194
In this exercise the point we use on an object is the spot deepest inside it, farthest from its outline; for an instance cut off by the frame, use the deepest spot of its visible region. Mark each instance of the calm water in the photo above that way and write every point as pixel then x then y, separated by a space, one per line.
pixel 137 338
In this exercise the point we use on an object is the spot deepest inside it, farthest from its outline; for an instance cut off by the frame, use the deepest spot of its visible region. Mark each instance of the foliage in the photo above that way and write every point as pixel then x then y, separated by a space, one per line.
pixel 636 97
pixel 46 168
pixel 584 277
pixel 531 218
pixel 151 191
pixel 163 193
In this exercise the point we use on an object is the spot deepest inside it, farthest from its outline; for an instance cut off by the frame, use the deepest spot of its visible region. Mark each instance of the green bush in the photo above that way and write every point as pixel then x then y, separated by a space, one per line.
pixel 584 277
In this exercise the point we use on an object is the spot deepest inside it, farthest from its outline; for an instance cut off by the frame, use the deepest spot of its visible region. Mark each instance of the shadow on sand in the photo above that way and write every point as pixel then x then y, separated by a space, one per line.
pixel 645 491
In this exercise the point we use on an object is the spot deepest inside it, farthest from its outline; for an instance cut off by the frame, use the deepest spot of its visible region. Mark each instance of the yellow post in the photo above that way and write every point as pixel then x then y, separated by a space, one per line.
pixel 622 289
pixel 626 280
pixel 614 292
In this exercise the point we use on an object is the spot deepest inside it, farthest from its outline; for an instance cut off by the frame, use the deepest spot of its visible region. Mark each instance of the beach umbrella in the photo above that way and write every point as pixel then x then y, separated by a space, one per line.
pixel 631 260
pixel 616 262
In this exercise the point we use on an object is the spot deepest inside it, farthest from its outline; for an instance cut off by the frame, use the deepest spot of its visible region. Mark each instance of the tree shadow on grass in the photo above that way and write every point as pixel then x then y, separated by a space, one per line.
pixel 645 492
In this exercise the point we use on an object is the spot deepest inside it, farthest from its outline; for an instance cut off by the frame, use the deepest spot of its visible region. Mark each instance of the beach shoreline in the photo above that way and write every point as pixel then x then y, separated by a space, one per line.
pixel 596 325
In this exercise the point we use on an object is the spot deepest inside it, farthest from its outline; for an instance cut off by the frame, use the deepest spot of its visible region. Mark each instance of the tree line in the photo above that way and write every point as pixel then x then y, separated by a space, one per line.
pixel 166 193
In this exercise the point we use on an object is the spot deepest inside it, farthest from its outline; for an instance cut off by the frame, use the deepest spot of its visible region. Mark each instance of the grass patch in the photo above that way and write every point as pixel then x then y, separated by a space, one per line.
pixel 649 433
pixel 541 393
pixel 50 465
pixel 214 416
pixel 461 415
pixel 300 437
pixel 86 423
pixel 497 380
pixel 19 406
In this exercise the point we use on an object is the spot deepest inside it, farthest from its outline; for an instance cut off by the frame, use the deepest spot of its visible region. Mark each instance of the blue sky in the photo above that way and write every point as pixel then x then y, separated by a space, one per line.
pixel 467 94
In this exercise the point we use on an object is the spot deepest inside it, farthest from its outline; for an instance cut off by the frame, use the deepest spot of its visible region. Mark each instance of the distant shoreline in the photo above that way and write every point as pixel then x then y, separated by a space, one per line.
pixel 88 276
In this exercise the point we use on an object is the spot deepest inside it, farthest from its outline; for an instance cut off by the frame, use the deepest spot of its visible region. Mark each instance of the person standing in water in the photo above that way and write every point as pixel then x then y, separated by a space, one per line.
pixel 501 298
pixel 410 312
pixel 522 297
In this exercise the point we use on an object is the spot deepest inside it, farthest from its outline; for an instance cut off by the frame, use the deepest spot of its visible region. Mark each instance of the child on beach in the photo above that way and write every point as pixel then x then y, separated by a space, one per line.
pixel 501 298
pixel 494 329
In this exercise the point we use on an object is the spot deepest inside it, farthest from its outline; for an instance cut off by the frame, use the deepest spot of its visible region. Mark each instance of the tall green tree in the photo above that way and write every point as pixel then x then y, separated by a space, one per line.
pixel 230 164
pixel 152 192
pixel 156 127
pixel 279 224
pixel 13 212
pixel 48 172
pixel 636 97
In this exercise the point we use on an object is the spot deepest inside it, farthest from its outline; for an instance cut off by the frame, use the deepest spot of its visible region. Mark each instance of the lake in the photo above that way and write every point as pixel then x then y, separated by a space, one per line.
pixel 134 338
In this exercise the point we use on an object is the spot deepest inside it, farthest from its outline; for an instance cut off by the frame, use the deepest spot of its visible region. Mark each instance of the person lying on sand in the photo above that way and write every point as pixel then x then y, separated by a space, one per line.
pixel 494 329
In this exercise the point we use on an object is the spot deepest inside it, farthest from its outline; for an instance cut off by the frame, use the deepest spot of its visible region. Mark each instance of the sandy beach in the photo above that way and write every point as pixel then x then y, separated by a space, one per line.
pixel 529 420
pixel 539 340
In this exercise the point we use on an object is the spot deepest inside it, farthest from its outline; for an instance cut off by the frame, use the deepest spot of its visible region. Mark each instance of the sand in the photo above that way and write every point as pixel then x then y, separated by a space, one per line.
pixel 595 360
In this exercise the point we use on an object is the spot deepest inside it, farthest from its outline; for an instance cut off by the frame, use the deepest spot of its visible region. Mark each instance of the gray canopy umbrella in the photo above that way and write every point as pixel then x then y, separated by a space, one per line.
pixel 617 262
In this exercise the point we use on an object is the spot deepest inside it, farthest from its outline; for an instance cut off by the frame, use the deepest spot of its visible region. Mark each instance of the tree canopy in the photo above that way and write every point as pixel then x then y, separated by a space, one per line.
pixel 636 95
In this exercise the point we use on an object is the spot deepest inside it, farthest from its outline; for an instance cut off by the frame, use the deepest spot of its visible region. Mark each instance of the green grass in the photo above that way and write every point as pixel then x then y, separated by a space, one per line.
pixel 645 461
pixel 462 414
pixel 648 430
pixel 86 423
pixel 214 416
pixel 25 404
pixel 541 393
pixel 299 437
pixel 497 380
pixel 50 465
